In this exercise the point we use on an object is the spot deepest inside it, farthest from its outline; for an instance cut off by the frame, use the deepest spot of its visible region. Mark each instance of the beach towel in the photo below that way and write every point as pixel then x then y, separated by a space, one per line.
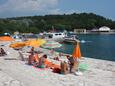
pixel 51 65
pixel 83 66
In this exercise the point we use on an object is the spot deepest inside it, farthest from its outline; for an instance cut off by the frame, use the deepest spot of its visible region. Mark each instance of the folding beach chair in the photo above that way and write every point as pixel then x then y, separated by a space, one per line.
pixel 21 57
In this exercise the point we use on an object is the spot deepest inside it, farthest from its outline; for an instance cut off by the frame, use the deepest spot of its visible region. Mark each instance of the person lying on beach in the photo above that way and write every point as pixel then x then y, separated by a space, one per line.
pixel 49 64
pixel 2 52
pixel 41 63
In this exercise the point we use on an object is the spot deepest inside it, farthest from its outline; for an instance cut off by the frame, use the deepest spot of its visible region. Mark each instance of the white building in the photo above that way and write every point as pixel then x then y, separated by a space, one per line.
pixel 104 29
pixel 80 30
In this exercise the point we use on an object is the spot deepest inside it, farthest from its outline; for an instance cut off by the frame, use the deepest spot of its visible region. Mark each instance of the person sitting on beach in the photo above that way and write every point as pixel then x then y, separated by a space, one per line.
pixel 2 52
pixel 41 63
pixel 31 58
pixel 73 64
pixel 69 58
pixel 36 57
pixel 64 68
pixel 32 50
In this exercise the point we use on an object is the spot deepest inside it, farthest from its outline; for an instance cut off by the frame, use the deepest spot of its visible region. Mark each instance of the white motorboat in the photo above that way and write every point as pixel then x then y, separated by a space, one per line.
pixel 57 36
pixel 72 38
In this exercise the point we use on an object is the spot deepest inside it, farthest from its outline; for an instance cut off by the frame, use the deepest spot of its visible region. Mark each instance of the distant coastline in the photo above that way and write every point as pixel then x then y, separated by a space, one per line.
pixel 96 32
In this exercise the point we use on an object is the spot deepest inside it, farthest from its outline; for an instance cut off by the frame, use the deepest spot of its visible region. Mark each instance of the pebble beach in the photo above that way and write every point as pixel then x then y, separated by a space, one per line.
pixel 14 72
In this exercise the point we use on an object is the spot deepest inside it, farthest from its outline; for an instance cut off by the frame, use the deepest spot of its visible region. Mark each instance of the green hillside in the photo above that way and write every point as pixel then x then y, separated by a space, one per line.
pixel 69 22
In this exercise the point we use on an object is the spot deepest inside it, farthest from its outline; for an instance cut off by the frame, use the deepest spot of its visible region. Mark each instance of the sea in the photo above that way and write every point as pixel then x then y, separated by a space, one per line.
pixel 98 46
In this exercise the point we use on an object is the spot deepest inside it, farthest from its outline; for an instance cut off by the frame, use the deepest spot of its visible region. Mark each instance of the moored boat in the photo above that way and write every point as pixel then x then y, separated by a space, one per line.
pixel 56 36
pixel 72 38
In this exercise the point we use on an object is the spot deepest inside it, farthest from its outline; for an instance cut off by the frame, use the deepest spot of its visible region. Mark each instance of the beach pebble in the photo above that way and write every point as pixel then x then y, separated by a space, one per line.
pixel 15 83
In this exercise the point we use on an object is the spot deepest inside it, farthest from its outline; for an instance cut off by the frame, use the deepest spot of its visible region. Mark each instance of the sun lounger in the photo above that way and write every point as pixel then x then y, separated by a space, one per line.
pixel 21 57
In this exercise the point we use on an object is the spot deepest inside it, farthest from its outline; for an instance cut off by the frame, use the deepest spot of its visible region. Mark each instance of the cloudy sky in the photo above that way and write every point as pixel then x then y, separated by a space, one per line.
pixel 13 8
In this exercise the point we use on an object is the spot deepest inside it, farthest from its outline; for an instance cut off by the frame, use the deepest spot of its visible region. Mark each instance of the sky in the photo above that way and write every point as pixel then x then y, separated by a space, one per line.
pixel 15 8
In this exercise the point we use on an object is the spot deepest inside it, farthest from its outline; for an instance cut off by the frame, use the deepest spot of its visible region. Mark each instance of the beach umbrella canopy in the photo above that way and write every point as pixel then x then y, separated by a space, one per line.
pixel 41 41
pixel 32 43
pixel 6 38
pixel 18 45
pixel 77 52
pixel 51 45
pixel 35 43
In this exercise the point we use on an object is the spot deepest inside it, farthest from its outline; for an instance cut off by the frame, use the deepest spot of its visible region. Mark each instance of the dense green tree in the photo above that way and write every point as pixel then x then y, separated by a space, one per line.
pixel 69 22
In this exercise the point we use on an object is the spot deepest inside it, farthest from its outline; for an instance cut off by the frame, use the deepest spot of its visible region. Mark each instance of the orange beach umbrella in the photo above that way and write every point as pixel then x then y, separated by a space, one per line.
pixel 6 38
pixel 77 52
pixel 18 45
pixel 33 43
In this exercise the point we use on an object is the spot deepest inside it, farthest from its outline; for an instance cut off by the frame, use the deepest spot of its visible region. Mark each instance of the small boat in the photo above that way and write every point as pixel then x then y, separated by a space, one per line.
pixel 72 38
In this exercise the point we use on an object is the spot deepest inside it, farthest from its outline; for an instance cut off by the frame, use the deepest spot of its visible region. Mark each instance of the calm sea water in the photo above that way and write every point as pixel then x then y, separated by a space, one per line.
pixel 99 46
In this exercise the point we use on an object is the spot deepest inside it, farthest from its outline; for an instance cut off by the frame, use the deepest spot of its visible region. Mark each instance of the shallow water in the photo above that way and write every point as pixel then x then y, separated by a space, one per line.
pixel 100 46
